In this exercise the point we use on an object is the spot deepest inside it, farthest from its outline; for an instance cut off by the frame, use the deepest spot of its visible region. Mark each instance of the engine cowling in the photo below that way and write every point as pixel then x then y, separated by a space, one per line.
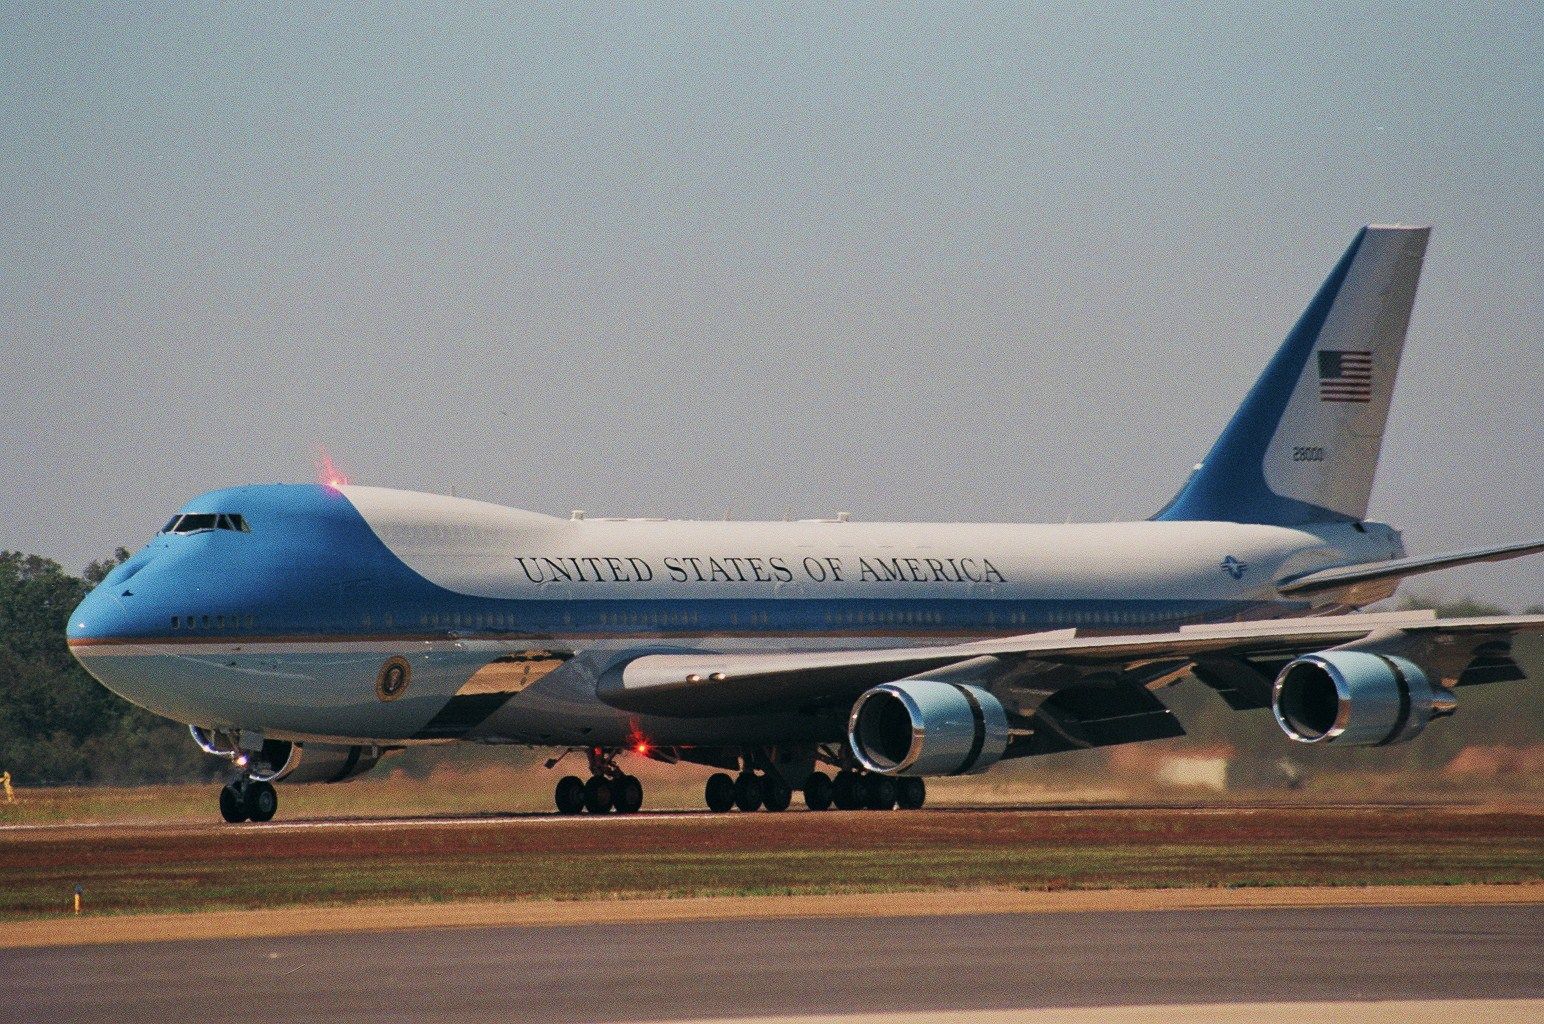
pixel 926 727
pixel 1356 698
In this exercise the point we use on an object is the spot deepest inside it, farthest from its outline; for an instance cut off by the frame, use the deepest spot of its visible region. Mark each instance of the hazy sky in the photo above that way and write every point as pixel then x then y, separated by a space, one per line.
pixel 941 263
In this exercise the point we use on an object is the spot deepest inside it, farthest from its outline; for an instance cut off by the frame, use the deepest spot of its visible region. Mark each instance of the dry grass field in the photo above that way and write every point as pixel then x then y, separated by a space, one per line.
pixel 169 867
pixel 487 786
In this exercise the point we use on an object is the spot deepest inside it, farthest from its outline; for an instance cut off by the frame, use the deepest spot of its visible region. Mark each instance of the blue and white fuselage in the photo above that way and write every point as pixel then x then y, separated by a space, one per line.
pixel 356 619
pixel 285 625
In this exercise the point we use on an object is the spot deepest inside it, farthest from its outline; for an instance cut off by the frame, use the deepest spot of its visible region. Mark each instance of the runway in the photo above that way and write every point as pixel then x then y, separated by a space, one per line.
pixel 757 968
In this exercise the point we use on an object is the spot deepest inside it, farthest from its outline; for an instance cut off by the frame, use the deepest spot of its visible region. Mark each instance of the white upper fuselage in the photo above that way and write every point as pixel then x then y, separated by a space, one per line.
pixel 489 551
pixel 287 624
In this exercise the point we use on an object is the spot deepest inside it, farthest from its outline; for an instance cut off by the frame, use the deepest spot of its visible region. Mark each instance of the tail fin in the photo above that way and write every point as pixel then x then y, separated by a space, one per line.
pixel 1304 445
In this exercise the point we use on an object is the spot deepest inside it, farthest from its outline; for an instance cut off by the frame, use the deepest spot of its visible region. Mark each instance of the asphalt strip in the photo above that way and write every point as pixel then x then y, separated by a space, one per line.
pixel 1403 1011
pixel 312 920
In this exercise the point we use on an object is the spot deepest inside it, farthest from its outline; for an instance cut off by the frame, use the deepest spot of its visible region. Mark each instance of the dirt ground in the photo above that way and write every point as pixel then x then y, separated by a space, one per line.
pixel 1027 828
pixel 129 869
pixel 310 920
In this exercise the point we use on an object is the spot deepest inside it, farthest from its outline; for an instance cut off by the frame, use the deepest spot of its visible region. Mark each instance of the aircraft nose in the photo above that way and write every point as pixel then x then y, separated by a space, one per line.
pixel 102 614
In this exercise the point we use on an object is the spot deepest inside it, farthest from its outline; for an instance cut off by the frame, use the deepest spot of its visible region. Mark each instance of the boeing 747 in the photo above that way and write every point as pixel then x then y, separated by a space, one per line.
pixel 304 631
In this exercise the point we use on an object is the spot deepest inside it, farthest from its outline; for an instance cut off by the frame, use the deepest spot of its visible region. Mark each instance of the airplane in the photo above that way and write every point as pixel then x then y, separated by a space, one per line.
pixel 304 631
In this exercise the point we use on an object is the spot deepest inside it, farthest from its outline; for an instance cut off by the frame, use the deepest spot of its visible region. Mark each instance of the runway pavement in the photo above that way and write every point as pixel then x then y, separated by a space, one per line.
pixel 759 968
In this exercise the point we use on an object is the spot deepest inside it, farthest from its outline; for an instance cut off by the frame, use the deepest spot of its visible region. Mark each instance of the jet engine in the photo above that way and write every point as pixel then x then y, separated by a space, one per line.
pixel 926 727
pixel 1356 698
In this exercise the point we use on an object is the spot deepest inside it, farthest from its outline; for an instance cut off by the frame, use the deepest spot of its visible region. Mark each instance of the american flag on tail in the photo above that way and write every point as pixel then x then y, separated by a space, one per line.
pixel 1345 376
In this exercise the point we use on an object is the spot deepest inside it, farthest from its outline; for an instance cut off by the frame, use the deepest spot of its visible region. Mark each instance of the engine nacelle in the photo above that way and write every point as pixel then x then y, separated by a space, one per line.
pixel 925 727
pixel 1356 698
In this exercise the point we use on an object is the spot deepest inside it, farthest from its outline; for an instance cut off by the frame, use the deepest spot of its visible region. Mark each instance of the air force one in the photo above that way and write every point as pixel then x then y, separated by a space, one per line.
pixel 307 630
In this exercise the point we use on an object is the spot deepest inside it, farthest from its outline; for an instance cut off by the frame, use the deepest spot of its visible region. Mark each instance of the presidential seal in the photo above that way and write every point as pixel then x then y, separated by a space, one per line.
pixel 391 681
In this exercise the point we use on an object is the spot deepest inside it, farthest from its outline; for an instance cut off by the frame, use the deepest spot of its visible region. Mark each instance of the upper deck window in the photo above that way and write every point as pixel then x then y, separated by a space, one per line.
pixel 197 522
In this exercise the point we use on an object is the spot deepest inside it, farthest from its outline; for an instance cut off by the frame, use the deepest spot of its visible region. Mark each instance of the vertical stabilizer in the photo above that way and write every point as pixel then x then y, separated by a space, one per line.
pixel 1304 446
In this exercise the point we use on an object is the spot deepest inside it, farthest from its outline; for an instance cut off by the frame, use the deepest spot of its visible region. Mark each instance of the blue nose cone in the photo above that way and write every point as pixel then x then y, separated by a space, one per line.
pixel 97 616
pixel 110 611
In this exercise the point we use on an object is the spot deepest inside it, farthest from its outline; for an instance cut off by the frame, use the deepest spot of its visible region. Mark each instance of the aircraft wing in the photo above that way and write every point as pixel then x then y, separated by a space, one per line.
pixel 1344 576
pixel 1102 683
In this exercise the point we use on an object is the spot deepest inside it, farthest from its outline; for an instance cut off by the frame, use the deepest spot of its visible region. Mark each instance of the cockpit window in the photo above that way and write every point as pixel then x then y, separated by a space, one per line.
pixel 197 522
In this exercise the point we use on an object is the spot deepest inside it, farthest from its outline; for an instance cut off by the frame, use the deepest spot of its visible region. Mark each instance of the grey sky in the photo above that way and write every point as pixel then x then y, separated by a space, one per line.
pixel 962 263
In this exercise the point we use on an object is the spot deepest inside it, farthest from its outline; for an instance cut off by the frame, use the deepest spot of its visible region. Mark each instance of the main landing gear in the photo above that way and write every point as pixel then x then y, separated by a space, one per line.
pixel 849 791
pixel 608 788
pixel 248 799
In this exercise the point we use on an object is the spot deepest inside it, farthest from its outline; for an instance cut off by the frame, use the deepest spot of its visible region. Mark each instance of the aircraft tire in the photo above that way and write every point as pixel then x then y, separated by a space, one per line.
pixel 262 803
pixel 747 792
pixel 628 794
pixel 910 793
pixel 878 792
pixel 719 792
pixel 597 794
pixel 775 793
pixel 232 807
pixel 568 795
pixel 846 793
pixel 817 791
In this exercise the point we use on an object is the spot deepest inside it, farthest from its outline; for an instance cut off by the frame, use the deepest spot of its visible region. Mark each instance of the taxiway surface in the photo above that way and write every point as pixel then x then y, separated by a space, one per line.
pixel 682 970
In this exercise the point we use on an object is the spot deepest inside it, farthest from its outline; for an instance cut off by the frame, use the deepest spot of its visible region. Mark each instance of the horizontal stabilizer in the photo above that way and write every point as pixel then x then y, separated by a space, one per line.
pixel 1344 576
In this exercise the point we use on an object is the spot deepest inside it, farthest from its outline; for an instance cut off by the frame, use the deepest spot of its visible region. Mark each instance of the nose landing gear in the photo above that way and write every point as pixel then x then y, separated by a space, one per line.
pixel 248 799
pixel 250 796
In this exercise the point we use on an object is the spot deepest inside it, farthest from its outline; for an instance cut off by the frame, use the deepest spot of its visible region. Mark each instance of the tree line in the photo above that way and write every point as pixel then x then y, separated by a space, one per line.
pixel 58 726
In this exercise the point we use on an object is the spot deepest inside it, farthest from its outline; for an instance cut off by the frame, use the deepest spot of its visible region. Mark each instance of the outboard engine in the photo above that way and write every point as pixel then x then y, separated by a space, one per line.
pixel 925 727
pixel 1356 698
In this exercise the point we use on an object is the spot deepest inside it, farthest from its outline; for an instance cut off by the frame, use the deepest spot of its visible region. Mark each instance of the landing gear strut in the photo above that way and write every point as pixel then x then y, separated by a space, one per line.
pixel 608 787
pixel 749 791
pixel 250 796
pixel 855 789
pixel 762 784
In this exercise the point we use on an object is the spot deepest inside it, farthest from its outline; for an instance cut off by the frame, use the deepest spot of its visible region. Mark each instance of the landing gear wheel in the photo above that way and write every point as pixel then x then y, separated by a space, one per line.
pixel 628 794
pixel 747 792
pixel 910 793
pixel 846 793
pixel 878 792
pixel 775 794
pixel 597 794
pixel 232 807
pixel 817 791
pixel 569 794
pixel 719 792
pixel 261 801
